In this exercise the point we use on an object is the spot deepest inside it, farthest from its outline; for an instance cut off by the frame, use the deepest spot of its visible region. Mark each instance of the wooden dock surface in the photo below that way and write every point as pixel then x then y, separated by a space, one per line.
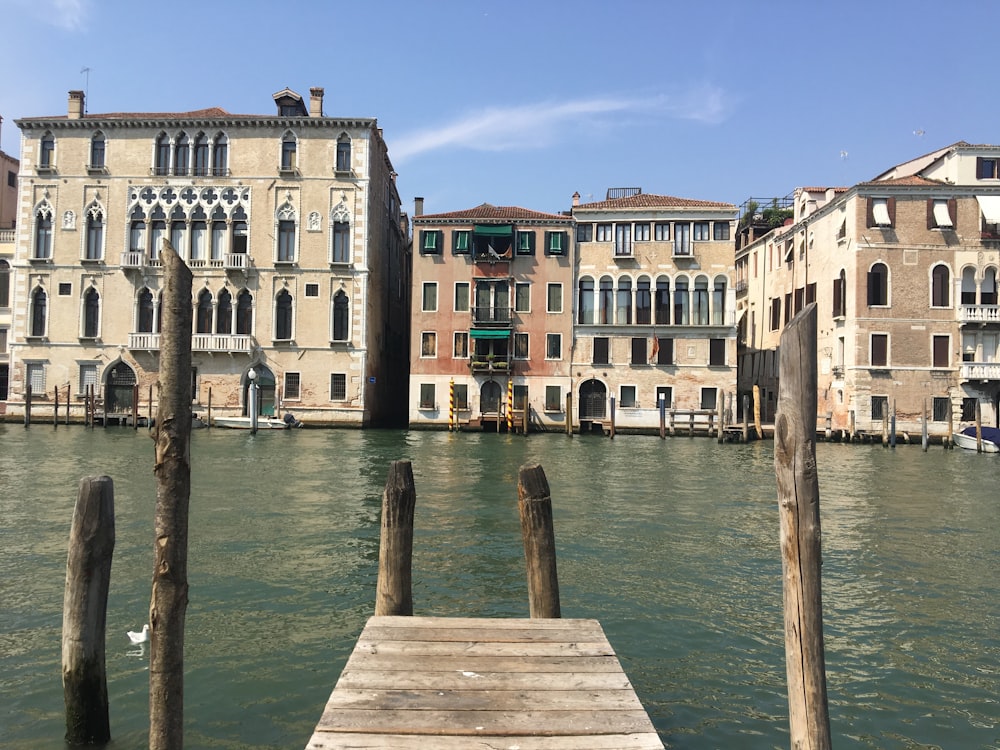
pixel 459 682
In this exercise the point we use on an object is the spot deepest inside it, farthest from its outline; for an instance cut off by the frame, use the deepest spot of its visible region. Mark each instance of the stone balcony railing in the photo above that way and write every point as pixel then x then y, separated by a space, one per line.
pixel 7 236
pixel 979 371
pixel 200 342
pixel 979 313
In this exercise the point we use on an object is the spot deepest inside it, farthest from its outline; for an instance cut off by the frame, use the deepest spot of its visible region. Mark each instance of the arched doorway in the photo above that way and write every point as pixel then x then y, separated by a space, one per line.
pixel 265 391
pixel 119 388
pixel 489 397
pixel 593 400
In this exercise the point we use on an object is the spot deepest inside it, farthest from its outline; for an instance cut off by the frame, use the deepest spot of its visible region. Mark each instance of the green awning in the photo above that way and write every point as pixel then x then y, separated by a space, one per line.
pixel 490 333
pixel 494 230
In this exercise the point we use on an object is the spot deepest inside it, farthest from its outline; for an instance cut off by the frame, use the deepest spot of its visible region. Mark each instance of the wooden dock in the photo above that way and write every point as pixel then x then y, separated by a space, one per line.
pixel 459 682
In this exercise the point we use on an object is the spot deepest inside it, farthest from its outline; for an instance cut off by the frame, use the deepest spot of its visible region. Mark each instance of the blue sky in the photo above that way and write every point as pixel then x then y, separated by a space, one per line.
pixel 523 103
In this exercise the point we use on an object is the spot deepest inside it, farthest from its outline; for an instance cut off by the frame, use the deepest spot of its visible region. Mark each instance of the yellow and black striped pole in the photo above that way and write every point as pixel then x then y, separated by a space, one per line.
pixel 510 406
pixel 451 404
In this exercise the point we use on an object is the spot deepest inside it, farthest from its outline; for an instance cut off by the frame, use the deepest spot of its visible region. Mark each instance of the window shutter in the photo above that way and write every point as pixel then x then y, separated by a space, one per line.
pixel 979 168
pixel 931 223
pixel 891 206
pixel 872 290
pixel 870 216
pixel 953 212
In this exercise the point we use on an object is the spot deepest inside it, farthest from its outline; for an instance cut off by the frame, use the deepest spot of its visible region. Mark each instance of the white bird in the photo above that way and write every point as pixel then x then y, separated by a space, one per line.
pixel 140 637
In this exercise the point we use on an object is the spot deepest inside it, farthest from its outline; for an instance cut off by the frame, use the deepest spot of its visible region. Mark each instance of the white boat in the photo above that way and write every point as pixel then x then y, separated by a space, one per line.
pixel 967 439
pixel 263 423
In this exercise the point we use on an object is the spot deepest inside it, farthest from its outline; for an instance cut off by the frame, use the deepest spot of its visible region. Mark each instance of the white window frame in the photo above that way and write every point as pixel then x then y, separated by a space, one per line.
pixel 553 286
pixel 428 336
pixel 880 212
pixel 424 289
pixel 942 216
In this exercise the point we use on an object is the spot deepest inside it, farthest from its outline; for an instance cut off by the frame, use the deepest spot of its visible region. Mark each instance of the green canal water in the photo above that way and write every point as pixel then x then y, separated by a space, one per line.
pixel 672 545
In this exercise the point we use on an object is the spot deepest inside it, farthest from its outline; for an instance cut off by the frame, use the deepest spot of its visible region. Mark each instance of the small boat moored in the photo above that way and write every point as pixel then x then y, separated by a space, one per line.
pixel 263 423
pixel 967 439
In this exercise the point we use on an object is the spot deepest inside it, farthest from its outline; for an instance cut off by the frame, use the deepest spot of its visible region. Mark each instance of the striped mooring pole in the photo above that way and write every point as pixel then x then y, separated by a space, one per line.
pixel 451 404
pixel 510 406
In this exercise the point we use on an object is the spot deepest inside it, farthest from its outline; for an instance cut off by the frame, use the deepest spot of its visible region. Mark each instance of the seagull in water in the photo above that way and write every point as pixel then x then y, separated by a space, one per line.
pixel 140 637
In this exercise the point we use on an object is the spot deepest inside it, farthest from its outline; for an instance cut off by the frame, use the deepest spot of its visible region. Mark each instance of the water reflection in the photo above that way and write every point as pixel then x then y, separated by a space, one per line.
pixel 672 544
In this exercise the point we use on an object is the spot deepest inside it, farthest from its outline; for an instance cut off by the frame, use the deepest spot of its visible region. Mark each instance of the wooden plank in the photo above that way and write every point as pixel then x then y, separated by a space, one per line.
pixel 531 684
pixel 344 741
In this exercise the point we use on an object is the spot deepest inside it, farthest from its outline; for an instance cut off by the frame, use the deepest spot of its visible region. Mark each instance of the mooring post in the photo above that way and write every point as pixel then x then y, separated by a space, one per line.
pixel 892 430
pixel 208 416
pixel 979 427
pixel 27 405
pixel 67 403
pixel 612 431
pixel 534 505
pixel 923 428
pixel 55 408
pixel 663 417
pixel 135 407
pixel 801 553
pixel 756 412
pixel 746 418
pixel 85 607
pixel 172 432
pixel 393 592
pixel 569 413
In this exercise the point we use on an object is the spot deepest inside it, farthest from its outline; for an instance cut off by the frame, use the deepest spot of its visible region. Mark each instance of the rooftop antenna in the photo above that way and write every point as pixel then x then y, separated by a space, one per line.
pixel 86 87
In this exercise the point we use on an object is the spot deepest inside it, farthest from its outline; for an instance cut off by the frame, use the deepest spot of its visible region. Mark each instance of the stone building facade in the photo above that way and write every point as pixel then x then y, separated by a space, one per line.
pixel 903 270
pixel 654 309
pixel 290 223
pixel 491 318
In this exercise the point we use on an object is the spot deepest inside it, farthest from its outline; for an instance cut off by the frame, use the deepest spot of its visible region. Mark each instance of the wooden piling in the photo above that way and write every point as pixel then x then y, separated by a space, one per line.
pixel 746 418
pixel 55 408
pixel 534 505
pixel 68 402
pixel 208 416
pixel 394 593
pixel 673 426
pixel 892 426
pixel 979 427
pixel 85 606
pixel 168 602
pixel 27 405
pixel 569 413
pixel 924 440
pixel 801 553
pixel 149 408
pixel 135 406
pixel 663 418
pixel 756 412
pixel 612 431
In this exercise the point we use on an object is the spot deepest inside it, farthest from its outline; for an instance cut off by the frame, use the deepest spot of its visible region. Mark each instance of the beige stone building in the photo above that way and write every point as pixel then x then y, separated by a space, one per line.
pixel 903 270
pixel 491 318
pixel 9 168
pixel 289 221
pixel 654 308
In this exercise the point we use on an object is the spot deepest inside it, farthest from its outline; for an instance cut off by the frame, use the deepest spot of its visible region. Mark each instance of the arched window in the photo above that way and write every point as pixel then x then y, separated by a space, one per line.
pixel 283 316
pixel 643 302
pixel 288 148
pixel 201 155
pixel 220 155
pixel 39 312
pixel 341 242
pixel 699 303
pixel 43 232
pixel 940 283
pixel 340 316
pixel 47 152
pixel 4 283
pixel 144 313
pixel 623 309
pixel 244 313
pixel 719 302
pixel 161 156
pixel 224 313
pixel 94 249
pixel 97 151
pixel 840 295
pixel 91 313
pixel 969 286
pixel 988 293
pixel 137 231
pixel 199 235
pixel 878 285
pixel 182 155
pixel 344 153
pixel 662 301
pixel 681 302
pixel 606 301
pixel 203 322
pixel 286 235
pixel 585 301
pixel 157 233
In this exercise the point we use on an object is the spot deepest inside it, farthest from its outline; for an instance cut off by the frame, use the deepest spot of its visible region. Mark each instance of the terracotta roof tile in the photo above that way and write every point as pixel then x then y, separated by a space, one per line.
pixel 196 114
pixel 648 200
pixel 489 212
pixel 906 181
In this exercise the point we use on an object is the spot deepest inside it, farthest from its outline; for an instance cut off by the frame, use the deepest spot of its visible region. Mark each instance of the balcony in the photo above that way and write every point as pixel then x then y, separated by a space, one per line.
pixel 979 314
pixel 222 342
pixel 7 236
pixel 133 259
pixel 491 317
pixel 979 371
pixel 144 342
pixel 491 363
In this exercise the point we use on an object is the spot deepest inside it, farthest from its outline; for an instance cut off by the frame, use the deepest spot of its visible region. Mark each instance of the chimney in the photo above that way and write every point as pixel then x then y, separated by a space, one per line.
pixel 315 102
pixel 576 198
pixel 75 105
pixel 418 206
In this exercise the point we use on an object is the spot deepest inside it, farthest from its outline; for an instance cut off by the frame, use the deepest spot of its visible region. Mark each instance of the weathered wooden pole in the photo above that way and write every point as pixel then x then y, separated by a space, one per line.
pixel 979 427
pixel 55 408
pixel 892 425
pixel 85 608
pixel 756 412
pixel 798 506
pixel 663 417
pixel 746 418
pixel 923 428
pixel 67 402
pixel 135 407
pixel 612 431
pixel 27 405
pixel 394 591
pixel 534 504
pixel 673 422
pixel 569 413
pixel 208 420
pixel 149 407
pixel 168 603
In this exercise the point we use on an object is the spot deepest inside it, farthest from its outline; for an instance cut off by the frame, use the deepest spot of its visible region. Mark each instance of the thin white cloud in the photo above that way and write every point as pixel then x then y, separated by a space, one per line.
pixel 70 15
pixel 529 126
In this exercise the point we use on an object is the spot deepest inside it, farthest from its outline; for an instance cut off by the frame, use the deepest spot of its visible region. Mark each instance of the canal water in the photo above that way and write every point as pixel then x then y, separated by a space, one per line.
pixel 672 545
